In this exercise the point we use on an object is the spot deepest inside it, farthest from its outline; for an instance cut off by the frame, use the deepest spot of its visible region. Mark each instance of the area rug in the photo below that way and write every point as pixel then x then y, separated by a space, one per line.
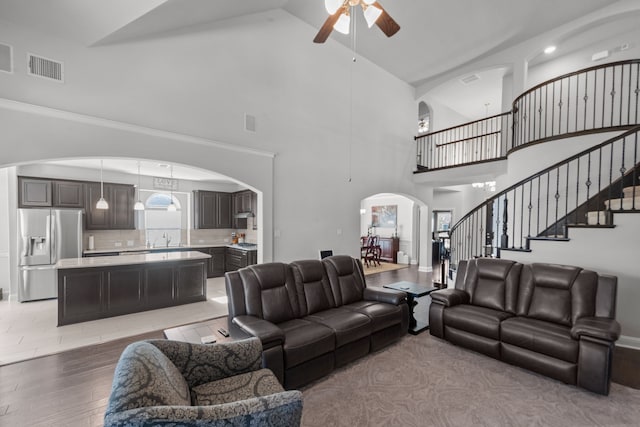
pixel 384 266
pixel 424 381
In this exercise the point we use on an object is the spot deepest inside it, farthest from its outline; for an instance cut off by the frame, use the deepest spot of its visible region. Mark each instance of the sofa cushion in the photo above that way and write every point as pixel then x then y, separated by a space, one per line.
pixel 270 292
pixel 382 315
pixel 493 283
pixel 312 286
pixel 236 388
pixel 540 336
pixel 305 340
pixel 478 320
pixel 347 325
pixel 144 377
pixel 346 278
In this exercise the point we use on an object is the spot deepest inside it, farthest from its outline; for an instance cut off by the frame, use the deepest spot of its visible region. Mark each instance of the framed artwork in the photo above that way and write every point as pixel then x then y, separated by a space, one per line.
pixel 384 216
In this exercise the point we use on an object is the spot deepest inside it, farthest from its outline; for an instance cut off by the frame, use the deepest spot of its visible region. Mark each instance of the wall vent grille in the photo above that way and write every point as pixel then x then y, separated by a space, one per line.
pixel 6 58
pixel 470 79
pixel 46 68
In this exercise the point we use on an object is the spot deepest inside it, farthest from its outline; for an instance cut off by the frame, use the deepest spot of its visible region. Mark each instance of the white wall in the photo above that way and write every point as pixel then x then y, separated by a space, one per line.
pixel 182 99
pixel 405 221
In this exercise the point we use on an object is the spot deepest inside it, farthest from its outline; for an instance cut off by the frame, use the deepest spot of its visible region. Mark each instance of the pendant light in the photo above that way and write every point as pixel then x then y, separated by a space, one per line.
pixel 172 206
pixel 139 206
pixel 102 203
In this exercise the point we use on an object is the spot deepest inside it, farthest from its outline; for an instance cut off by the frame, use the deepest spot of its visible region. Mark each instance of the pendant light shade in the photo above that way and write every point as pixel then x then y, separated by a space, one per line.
pixel 139 206
pixel 102 203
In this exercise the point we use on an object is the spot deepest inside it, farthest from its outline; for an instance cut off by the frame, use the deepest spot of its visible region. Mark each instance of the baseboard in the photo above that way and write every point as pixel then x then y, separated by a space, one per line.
pixel 629 342
pixel 425 269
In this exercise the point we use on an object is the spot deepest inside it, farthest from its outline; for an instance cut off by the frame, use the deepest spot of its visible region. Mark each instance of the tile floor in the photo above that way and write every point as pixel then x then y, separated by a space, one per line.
pixel 29 329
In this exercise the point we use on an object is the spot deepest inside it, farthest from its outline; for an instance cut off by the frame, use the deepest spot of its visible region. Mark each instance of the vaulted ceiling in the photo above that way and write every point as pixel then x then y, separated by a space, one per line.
pixel 435 36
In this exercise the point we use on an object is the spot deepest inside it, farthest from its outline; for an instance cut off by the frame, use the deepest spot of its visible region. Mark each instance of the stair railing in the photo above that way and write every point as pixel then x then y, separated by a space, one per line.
pixel 478 141
pixel 543 205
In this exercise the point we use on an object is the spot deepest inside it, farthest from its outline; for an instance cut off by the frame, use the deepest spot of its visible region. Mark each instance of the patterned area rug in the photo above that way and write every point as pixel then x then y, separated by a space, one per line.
pixel 384 266
pixel 424 381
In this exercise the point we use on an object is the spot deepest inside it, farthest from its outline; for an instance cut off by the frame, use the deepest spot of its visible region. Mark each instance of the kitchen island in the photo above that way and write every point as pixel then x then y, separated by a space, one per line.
pixel 97 287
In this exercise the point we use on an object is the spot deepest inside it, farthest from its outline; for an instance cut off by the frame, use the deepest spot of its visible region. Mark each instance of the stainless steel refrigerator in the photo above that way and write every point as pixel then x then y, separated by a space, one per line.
pixel 44 237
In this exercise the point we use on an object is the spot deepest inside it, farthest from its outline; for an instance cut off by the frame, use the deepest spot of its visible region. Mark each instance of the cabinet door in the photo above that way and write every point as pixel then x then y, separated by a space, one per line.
pixel 96 219
pixel 34 192
pixel 191 282
pixel 216 262
pixel 68 194
pixel 159 286
pixel 124 289
pixel 121 200
pixel 80 295
pixel 204 209
pixel 224 217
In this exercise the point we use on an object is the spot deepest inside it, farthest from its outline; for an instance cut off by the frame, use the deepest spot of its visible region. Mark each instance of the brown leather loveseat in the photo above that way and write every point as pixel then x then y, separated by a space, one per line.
pixel 313 316
pixel 553 319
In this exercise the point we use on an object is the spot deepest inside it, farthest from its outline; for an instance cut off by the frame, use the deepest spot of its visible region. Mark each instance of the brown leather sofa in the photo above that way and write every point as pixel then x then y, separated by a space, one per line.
pixel 553 319
pixel 313 316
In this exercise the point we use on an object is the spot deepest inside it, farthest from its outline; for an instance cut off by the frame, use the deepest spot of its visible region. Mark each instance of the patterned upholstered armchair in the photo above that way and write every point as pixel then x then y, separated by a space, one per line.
pixel 161 382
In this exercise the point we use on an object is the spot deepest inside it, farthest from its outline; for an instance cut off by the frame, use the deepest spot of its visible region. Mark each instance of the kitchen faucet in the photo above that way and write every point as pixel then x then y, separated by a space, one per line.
pixel 167 238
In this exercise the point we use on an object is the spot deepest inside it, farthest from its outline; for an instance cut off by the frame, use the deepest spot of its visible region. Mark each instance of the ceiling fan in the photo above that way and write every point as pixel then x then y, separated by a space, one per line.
pixel 340 18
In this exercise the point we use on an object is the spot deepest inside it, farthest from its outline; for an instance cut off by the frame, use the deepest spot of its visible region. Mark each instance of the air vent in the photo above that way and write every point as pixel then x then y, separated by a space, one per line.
pixel 6 63
pixel 470 79
pixel 46 68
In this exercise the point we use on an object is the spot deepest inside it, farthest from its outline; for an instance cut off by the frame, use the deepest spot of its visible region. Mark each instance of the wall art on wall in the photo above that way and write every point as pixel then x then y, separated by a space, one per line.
pixel 384 216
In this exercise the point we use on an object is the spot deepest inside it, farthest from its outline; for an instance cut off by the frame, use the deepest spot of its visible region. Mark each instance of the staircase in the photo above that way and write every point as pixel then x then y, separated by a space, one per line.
pixel 630 201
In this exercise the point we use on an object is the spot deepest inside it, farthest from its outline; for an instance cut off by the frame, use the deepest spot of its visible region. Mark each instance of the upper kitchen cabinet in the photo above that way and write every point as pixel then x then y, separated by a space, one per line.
pixel 68 194
pixel 243 207
pixel 212 209
pixel 33 192
pixel 119 216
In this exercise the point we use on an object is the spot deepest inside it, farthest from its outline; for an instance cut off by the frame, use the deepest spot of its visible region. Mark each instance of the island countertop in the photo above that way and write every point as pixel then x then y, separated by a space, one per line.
pixel 147 258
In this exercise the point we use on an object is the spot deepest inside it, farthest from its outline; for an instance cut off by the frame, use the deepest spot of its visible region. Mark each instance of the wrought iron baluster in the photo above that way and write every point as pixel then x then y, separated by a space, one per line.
pixel 604 95
pixel 586 99
pixel 529 207
pixel 521 215
pixel 513 215
pixel 566 203
pixel 635 167
pixel 588 183
pixel 546 224
pixel 538 210
pixel 577 189
pixel 557 197
pixel 622 171
pixel 613 92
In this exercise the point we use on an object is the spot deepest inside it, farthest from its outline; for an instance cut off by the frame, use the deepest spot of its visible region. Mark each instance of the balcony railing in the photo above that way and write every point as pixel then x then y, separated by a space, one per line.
pixel 595 99
pixel 545 204
pixel 474 142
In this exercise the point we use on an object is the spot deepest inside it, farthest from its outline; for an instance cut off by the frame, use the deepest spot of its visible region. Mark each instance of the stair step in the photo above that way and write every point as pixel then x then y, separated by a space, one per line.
pixel 592 217
pixel 628 191
pixel 627 203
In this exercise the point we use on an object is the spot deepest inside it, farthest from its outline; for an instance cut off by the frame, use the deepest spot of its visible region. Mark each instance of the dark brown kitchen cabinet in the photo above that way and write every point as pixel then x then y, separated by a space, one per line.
pixel 68 194
pixel 33 192
pixel 242 203
pixel 216 265
pixel 239 258
pixel 212 209
pixel 119 216
pixel 98 292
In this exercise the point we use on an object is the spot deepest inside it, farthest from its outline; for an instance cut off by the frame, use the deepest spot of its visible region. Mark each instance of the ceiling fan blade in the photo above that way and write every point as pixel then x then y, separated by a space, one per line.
pixel 327 27
pixel 385 22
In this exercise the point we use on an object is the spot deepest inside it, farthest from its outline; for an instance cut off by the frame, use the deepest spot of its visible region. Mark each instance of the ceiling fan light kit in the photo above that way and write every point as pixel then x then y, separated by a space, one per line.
pixel 340 18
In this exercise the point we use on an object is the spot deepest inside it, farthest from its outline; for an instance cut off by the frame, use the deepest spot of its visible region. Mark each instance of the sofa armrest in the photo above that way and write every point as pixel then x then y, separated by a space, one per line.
pixel 269 333
pixel 450 297
pixel 596 327
pixel 203 363
pixel 385 295
pixel 286 407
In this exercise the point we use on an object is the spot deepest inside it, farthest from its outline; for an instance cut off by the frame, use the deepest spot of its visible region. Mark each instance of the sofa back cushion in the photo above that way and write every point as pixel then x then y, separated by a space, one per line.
pixel 346 279
pixel 269 291
pixel 143 377
pixel 312 286
pixel 557 293
pixel 493 283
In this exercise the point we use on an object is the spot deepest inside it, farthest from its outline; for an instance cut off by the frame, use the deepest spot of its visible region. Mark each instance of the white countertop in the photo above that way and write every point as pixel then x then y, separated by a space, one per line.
pixel 108 261
pixel 164 248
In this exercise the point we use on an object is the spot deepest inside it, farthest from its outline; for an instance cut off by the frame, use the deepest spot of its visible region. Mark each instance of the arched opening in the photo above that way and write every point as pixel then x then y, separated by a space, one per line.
pixel 424 117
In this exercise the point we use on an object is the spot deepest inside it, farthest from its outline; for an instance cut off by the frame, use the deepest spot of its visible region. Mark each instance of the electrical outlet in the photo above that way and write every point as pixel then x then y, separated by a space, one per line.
pixel 339 231
pixel 129 242
pixel 200 241
pixel 118 244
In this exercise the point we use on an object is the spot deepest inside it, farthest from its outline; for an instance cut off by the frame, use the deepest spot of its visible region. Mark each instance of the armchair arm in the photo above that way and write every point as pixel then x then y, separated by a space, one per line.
pixel 450 297
pixel 596 327
pixel 269 334
pixel 285 407
pixel 203 363
pixel 383 295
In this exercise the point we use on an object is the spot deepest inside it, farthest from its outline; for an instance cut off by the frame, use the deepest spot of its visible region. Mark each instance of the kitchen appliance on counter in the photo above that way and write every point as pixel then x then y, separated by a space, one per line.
pixel 46 236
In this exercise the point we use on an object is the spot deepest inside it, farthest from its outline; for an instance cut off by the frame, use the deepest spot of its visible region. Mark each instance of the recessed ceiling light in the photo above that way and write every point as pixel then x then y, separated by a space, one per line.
pixel 549 49
pixel 164 165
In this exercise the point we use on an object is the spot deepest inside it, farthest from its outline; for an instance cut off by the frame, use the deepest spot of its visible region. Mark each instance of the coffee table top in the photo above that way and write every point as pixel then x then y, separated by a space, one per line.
pixel 415 289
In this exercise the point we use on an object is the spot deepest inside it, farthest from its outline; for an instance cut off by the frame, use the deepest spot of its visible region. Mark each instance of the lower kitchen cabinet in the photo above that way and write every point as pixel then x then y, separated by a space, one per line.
pixel 216 267
pixel 238 258
pixel 98 292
